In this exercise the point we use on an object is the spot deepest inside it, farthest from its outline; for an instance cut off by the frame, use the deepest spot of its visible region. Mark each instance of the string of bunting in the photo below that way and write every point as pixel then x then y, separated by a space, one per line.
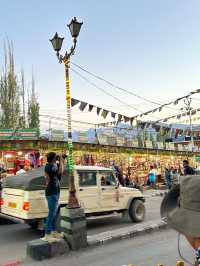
pixel 159 109
pixel 101 111
pixel 141 124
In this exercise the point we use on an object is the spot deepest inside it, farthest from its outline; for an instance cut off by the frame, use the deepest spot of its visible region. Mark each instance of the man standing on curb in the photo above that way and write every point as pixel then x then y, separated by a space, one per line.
pixel 53 171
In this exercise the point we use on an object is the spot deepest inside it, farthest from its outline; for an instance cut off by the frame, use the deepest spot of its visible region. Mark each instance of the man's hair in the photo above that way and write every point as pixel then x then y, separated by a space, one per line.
pixel 185 161
pixel 51 156
pixel 21 166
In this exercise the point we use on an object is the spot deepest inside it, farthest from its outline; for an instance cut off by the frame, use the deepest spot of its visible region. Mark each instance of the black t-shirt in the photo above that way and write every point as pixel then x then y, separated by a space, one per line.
pixel 188 170
pixel 53 186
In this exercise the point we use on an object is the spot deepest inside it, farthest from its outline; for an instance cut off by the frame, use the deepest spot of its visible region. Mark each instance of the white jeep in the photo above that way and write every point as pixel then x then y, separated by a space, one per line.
pixel 98 191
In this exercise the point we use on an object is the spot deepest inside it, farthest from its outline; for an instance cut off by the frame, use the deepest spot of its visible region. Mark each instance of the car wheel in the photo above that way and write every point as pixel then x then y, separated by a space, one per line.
pixel 137 211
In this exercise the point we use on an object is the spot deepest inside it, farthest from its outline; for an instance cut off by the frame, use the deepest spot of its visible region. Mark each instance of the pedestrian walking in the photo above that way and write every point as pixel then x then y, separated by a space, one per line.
pixel 53 171
pixel 152 177
pixel 181 209
pixel 168 178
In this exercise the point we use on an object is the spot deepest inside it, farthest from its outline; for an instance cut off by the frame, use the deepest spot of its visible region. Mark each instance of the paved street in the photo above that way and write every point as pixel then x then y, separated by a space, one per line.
pixel 146 250
pixel 15 236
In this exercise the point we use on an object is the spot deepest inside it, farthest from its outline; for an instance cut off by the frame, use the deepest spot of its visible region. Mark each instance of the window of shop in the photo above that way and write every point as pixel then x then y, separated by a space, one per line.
pixel 87 178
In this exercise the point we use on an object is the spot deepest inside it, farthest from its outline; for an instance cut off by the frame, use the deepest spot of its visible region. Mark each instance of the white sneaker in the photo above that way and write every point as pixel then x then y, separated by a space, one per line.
pixel 49 238
pixel 57 235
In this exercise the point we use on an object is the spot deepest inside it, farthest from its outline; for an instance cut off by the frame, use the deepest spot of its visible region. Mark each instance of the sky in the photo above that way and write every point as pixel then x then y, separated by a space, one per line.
pixel 150 47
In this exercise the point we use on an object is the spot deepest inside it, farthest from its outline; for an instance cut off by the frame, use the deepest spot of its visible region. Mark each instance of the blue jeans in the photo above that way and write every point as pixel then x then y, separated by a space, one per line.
pixel 52 215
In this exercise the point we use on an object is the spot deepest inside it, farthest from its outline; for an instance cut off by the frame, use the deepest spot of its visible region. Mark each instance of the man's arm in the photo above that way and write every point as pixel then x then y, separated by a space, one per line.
pixel 61 166
pixel 47 179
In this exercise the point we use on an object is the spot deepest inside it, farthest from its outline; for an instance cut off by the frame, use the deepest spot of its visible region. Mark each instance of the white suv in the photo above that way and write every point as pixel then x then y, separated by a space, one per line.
pixel 98 191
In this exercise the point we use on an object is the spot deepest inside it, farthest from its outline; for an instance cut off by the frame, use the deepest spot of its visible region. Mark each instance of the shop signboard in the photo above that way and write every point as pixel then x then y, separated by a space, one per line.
pixel 6 134
pixel 148 144
pixel 20 134
pixel 26 134
pixel 57 135
pixel 171 146
pixel 180 147
pixel 102 138
pixel 160 145
pixel 120 141
pixel 111 140
pixel 83 136
pixel 135 143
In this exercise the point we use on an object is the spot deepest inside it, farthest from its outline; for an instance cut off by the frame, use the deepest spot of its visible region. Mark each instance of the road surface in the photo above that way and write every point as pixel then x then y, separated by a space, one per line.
pixel 13 237
pixel 148 250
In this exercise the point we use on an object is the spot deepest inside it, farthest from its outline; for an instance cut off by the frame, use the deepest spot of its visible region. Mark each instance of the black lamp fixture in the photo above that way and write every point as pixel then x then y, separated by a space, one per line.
pixel 75 27
pixel 56 42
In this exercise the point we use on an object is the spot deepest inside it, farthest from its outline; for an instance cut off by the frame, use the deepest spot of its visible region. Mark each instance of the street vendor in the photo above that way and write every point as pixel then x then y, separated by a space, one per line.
pixel 181 209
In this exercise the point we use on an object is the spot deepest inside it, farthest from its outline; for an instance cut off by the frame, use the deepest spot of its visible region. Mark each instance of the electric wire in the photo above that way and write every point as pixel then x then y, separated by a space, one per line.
pixel 120 88
pixel 109 94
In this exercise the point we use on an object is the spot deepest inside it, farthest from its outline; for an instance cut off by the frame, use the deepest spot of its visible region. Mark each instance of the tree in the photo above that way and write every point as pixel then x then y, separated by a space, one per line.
pixel 22 121
pixel 9 91
pixel 33 109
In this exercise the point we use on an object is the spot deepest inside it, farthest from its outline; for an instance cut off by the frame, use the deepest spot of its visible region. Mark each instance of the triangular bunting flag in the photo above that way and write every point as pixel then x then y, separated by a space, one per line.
pixel 98 110
pixel 90 107
pixel 74 102
pixel 113 115
pixel 131 121
pixel 104 113
pixel 126 119
pixel 119 117
pixel 82 106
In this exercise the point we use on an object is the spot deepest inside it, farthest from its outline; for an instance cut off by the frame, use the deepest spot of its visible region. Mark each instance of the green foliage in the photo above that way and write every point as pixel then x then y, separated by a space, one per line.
pixel 9 92
pixel 12 96
pixel 33 109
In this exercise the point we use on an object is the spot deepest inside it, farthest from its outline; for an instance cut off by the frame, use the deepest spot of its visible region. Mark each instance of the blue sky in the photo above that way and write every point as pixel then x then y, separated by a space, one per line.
pixel 149 46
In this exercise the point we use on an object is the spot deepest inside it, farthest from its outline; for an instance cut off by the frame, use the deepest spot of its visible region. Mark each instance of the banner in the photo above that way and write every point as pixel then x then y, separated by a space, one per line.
pixel 57 135
pixel 21 134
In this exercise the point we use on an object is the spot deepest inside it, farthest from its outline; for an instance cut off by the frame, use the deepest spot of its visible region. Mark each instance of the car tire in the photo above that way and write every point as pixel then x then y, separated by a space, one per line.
pixel 137 211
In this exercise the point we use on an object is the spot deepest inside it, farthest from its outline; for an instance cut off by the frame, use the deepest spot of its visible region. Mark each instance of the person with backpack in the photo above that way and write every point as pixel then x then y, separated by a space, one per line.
pixel 53 172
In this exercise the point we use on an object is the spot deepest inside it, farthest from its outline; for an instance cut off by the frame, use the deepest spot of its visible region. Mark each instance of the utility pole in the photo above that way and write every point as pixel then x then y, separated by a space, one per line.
pixel 188 107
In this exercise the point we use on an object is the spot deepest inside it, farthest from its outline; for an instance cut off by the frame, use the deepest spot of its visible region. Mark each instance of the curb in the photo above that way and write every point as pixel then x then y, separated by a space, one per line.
pixel 125 233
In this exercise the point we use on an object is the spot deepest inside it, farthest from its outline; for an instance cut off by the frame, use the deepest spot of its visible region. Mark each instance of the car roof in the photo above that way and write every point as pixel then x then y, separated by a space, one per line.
pixel 94 168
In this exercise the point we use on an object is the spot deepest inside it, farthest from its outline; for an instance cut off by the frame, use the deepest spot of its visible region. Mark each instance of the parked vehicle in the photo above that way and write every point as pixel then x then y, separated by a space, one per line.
pixel 98 191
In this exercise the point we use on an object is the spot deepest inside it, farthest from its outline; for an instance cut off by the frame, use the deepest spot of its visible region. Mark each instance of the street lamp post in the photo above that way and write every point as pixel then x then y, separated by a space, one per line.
pixel 73 220
pixel 57 41
pixel 187 102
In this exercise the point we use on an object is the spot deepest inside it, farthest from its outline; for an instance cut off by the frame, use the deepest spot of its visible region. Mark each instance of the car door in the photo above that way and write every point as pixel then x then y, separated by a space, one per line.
pixel 109 191
pixel 88 192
